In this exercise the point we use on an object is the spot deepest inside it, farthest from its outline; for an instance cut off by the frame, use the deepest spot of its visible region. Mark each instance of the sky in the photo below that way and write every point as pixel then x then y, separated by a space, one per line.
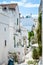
pixel 26 7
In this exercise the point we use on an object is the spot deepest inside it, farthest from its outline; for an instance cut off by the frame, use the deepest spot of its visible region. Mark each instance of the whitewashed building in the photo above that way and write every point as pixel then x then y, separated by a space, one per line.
pixel 11 33
pixel 35 27
pixel 24 33
pixel 9 23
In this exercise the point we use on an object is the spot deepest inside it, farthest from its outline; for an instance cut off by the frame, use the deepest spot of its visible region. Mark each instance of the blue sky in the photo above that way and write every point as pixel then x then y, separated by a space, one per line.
pixel 26 7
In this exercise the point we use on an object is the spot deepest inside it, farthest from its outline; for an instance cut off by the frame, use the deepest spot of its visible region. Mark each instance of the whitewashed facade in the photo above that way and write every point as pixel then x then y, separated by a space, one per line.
pixel 9 23
pixel 24 33
pixel 35 28
pixel 13 36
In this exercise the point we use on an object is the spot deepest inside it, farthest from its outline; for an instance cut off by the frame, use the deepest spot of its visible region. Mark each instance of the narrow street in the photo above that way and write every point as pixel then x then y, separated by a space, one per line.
pixel 28 57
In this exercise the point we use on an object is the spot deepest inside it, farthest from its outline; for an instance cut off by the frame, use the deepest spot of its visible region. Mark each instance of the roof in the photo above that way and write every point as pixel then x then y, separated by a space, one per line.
pixel 12 5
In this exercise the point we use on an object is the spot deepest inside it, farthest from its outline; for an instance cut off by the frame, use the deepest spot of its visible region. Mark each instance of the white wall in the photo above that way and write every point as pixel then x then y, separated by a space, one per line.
pixel 24 33
pixel 4 35
pixel 13 28
pixel 8 20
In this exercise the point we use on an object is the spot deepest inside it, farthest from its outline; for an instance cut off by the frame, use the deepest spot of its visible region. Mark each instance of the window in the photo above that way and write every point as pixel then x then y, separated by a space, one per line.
pixel 17 44
pixel 5 42
pixel 17 21
pixel 12 9
pixel 4 29
pixel 14 42
pixel 4 8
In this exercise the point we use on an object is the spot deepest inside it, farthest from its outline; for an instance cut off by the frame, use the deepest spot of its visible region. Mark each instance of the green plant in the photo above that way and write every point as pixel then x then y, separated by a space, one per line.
pixel 40 49
pixel 35 54
pixel 32 62
pixel 39 30
pixel 30 35
pixel 39 35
